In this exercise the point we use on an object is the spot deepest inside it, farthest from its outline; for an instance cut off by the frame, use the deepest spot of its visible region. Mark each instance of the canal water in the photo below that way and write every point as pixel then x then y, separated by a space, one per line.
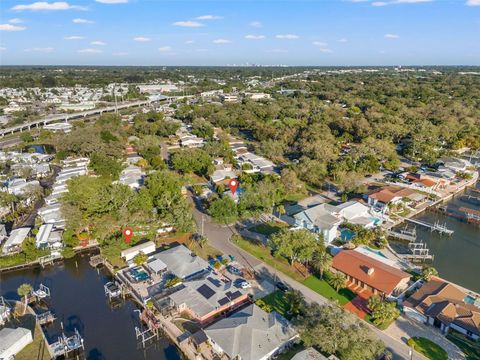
pixel 456 257
pixel 78 300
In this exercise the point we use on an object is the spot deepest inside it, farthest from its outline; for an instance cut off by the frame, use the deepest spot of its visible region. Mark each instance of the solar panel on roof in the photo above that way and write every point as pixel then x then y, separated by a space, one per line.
pixel 206 291
pixel 235 295
pixel 223 301
pixel 215 282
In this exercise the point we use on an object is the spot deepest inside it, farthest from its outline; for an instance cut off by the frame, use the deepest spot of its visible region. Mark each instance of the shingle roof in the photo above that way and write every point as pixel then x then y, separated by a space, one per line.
pixel 181 262
pixel 251 333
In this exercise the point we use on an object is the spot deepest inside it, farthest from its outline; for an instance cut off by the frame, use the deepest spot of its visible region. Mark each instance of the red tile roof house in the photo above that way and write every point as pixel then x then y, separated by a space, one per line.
pixel 442 305
pixel 381 198
pixel 367 275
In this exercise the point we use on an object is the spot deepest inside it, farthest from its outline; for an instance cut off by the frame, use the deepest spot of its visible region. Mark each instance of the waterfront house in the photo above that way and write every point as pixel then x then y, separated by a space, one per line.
pixel 319 219
pixel 182 262
pixel 146 248
pixel 15 240
pixel 251 334
pixel 12 341
pixel 207 298
pixel 443 305
pixel 5 311
pixel 369 276
pixel 354 212
pixel 381 198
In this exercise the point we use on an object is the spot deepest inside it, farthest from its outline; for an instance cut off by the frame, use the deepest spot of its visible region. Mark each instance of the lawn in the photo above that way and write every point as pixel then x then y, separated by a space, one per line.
pixel 470 348
pixel 277 302
pixel 268 228
pixel 290 353
pixel 428 348
pixel 263 253
pixel 323 288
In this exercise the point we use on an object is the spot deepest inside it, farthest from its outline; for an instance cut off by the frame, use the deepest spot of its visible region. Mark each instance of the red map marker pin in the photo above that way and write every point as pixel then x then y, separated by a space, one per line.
pixel 127 234
pixel 233 184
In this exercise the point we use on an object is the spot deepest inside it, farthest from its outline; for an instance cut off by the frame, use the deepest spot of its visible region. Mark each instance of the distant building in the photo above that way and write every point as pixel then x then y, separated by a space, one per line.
pixel 368 275
pixel 251 334
pixel 380 199
pixel 146 248
pixel 444 306
pixel 319 219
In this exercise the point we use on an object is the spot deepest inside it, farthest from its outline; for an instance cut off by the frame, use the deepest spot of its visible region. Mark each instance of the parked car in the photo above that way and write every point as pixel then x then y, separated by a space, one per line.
pixel 234 270
pixel 242 283
pixel 281 286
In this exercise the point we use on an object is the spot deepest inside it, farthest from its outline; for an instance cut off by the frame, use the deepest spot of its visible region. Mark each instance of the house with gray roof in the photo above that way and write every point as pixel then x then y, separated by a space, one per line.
pixel 207 298
pixel 251 334
pixel 319 219
pixel 182 262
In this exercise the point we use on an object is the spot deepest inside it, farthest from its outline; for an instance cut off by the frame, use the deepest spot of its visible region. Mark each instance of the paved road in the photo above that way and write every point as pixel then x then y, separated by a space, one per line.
pixel 219 237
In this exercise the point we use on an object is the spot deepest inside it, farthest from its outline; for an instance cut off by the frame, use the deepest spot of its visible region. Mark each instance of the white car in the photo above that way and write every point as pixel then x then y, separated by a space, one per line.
pixel 245 285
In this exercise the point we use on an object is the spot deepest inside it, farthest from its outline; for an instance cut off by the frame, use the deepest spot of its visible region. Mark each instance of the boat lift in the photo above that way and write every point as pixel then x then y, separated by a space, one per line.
pixel 65 346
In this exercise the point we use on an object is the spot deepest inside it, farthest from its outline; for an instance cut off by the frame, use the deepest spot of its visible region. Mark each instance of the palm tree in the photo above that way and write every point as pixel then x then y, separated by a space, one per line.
pixel 338 280
pixel 322 261
pixel 374 302
pixel 140 259
pixel 295 302
pixel 202 241
pixel 428 272
pixel 24 290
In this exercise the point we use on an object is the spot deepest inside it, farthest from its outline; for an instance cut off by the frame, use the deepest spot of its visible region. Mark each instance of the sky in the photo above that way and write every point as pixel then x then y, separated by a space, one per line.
pixel 240 32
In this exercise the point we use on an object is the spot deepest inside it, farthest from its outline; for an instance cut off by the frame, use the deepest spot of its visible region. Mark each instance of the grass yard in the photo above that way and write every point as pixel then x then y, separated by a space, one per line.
pixel 470 348
pixel 277 302
pixel 263 253
pixel 323 288
pixel 290 353
pixel 428 348
pixel 268 228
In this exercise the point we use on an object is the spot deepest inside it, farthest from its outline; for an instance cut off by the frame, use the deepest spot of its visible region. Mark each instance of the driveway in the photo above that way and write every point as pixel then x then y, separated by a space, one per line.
pixel 219 237
pixel 406 328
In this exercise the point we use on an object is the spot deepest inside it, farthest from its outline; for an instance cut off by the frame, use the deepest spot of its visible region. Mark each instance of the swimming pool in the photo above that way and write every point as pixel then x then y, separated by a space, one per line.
pixel 347 235
pixel 379 253
pixel 138 274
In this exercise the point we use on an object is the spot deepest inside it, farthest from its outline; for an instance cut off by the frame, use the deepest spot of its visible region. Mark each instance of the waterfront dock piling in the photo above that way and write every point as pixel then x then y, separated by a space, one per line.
pixel 442 229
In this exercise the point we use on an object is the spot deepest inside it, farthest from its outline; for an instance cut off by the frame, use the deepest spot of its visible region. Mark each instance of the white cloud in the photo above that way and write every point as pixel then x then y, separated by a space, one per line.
pixel 255 24
pixel 15 21
pixel 396 2
pixel 10 27
pixel 325 50
pixel 343 40
pixel 319 43
pixel 46 6
pixel 164 49
pixel 40 49
pixel 254 37
pixel 82 21
pixel 98 43
pixel 191 24
pixel 391 36
pixel 221 41
pixel 141 39
pixel 112 1
pixel 188 42
pixel 2 48
pixel 74 37
pixel 209 17
pixel 89 51
pixel 473 3
pixel 120 53
pixel 287 37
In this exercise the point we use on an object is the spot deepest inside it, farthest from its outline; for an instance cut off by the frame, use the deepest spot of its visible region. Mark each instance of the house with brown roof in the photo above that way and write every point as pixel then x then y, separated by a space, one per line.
pixel 369 276
pixel 381 198
pixel 442 305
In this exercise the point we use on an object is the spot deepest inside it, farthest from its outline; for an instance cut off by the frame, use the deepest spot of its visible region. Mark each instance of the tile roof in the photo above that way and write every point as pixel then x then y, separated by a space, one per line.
pixel 368 270
pixel 444 301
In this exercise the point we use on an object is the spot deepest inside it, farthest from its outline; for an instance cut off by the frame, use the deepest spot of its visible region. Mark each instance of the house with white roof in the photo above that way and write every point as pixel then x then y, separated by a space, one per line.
pixel 15 240
pixel 12 341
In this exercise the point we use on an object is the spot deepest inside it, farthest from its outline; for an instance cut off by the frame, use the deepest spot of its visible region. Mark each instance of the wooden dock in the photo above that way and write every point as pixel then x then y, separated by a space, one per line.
pixel 403 234
pixel 442 229
pixel 472 215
